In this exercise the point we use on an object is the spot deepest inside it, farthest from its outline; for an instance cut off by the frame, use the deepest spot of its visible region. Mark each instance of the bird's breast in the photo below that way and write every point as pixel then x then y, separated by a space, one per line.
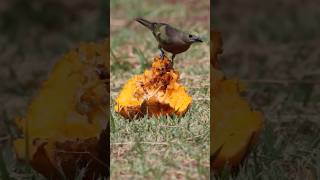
pixel 175 48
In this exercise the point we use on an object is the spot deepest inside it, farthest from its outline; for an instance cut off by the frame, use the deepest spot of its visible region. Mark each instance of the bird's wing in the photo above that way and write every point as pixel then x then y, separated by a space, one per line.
pixel 169 37
pixel 175 35
pixel 162 35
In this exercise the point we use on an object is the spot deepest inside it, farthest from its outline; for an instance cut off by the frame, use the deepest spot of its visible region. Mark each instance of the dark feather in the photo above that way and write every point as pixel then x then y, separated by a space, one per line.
pixel 146 23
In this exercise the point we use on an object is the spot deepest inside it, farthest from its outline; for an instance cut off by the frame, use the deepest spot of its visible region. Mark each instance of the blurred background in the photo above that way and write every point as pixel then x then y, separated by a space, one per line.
pixel 272 46
pixel 33 36
pixel 164 148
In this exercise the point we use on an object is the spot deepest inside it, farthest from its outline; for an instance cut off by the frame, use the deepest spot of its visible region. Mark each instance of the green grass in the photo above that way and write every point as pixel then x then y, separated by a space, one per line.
pixel 4 174
pixel 165 147
pixel 272 49
pixel 280 156
pixel 33 35
pixel 273 42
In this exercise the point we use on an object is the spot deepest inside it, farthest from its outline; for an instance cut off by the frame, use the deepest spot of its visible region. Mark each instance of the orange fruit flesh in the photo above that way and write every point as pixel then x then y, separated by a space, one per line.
pixel 67 114
pixel 156 92
pixel 234 126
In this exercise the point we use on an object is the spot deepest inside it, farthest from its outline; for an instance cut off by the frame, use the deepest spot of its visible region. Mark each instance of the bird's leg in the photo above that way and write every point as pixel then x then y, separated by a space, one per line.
pixel 161 52
pixel 172 58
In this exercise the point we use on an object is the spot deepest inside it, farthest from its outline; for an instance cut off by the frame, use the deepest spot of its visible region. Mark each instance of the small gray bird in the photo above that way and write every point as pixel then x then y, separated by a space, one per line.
pixel 169 38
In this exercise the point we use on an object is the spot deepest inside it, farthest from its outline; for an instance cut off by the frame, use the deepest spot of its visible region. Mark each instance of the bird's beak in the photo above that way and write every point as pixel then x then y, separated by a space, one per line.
pixel 196 39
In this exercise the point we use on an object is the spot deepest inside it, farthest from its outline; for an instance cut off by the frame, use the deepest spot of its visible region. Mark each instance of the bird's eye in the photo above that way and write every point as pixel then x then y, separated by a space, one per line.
pixel 190 36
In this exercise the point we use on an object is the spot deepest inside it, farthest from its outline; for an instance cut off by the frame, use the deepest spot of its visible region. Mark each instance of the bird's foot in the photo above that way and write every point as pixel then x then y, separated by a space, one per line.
pixel 161 55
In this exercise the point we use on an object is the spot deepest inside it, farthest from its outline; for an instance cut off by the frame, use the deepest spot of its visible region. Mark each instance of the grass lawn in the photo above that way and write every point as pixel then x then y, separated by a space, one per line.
pixel 272 46
pixel 165 147
pixel 33 36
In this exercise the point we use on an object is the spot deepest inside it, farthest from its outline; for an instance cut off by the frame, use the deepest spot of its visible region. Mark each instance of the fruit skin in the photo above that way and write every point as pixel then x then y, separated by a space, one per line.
pixel 156 92
pixel 65 127
pixel 71 156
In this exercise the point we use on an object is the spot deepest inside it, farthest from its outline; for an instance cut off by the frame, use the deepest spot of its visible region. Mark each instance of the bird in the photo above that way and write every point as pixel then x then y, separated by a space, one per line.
pixel 170 38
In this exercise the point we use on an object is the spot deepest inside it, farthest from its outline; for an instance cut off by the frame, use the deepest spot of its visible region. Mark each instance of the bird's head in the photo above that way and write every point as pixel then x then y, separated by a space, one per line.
pixel 190 38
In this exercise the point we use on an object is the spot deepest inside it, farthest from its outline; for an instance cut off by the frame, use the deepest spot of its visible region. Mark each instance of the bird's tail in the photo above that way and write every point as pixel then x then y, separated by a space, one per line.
pixel 146 23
